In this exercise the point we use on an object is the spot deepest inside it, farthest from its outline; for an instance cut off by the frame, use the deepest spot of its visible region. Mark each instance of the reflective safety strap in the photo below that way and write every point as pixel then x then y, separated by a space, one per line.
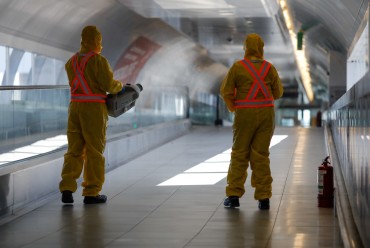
pixel 79 81
pixel 75 82
pixel 88 98
pixel 258 84
pixel 254 104
pixel 84 60
pixel 258 78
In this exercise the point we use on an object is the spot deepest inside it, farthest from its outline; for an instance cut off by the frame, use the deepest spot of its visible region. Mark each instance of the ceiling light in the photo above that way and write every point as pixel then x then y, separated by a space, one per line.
pixel 193 4
pixel 301 59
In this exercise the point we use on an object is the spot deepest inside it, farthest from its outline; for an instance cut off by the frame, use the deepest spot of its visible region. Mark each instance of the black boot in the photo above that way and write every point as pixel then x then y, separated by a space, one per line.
pixel 67 196
pixel 264 204
pixel 231 202
pixel 95 199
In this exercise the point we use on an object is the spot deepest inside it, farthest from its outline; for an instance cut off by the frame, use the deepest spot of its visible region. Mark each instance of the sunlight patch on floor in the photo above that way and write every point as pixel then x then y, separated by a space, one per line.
pixel 211 171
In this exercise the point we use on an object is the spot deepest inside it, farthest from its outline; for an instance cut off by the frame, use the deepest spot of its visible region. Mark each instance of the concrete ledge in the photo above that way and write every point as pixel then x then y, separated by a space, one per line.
pixel 348 229
pixel 30 184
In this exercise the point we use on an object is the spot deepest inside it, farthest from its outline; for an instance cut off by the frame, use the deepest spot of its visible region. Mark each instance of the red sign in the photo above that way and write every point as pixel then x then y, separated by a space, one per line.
pixel 133 59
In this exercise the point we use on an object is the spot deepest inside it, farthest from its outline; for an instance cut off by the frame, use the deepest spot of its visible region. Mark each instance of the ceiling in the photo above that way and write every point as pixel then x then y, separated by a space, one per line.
pixel 221 25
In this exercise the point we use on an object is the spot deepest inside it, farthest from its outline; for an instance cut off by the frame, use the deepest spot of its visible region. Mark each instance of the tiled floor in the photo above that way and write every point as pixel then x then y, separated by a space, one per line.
pixel 140 213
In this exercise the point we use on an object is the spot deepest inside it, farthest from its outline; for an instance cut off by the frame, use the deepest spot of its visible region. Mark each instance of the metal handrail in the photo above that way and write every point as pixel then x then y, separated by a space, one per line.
pixel 33 87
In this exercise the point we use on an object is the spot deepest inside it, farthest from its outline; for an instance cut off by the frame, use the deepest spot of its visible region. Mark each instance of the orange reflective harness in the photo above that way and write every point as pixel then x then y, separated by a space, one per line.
pixel 79 81
pixel 258 84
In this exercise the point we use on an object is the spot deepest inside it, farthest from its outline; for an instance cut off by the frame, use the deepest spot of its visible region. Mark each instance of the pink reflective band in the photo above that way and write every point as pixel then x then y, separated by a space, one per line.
pixel 88 98
pixel 254 104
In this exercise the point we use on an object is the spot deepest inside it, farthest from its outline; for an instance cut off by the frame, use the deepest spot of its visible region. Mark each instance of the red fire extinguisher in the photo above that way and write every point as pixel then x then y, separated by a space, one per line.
pixel 325 183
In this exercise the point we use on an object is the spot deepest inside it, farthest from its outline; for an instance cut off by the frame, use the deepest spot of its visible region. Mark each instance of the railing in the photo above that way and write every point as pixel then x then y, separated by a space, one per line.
pixel 31 114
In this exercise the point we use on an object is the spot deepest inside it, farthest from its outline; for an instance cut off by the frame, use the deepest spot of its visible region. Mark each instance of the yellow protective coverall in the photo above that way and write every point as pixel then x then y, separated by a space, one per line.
pixel 253 127
pixel 87 121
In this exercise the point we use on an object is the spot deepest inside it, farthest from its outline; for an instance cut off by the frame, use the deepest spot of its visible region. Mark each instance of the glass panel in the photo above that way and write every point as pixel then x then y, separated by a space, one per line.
pixel 37 115
pixel 61 75
pixel 42 116
pixel 203 109
pixel 349 123
pixel 15 57
pixel 2 62
pixel 24 70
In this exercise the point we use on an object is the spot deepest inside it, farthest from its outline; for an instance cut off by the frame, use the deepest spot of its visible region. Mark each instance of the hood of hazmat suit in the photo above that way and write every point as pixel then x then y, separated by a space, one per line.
pixel 253 46
pixel 91 40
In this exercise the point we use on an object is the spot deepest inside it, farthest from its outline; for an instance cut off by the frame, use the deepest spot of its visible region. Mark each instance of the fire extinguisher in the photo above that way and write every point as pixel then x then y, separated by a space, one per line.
pixel 325 183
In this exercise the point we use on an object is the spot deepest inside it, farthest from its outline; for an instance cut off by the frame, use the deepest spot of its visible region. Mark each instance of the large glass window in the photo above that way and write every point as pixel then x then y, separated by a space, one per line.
pixel 19 67
pixel 61 75
pixel 47 72
pixel 22 77
pixel 2 63
pixel 30 116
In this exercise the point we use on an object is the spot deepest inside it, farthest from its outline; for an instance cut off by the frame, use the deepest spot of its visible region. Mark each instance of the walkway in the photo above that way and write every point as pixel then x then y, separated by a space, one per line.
pixel 172 197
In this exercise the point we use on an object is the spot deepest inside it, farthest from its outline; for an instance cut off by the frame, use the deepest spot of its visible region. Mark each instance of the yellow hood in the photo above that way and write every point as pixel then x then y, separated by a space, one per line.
pixel 91 39
pixel 253 46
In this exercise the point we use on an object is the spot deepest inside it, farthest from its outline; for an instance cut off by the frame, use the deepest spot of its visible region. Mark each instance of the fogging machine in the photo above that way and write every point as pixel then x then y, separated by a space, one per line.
pixel 123 101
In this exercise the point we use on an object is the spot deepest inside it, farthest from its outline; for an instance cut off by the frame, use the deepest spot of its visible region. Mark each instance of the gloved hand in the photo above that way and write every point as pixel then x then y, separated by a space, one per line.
pixel 123 90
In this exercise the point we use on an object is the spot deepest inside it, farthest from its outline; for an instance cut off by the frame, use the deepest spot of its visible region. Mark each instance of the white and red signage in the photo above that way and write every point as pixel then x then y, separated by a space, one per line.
pixel 133 60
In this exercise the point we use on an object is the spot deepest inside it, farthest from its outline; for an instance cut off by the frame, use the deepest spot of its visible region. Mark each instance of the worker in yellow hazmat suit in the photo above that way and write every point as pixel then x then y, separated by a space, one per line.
pixel 249 90
pixel 90 78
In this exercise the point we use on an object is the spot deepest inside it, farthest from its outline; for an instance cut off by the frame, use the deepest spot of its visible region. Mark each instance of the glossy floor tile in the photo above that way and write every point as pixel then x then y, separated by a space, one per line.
pixel 186 210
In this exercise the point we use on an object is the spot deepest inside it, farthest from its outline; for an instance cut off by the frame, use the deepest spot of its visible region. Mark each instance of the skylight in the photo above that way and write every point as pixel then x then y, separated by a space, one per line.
pixel 193 4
